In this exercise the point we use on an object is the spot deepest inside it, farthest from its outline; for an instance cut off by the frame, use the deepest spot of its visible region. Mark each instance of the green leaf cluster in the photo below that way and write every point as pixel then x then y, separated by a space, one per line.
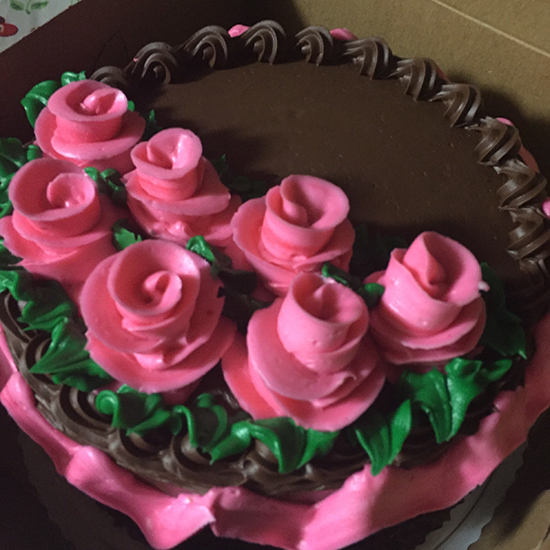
pixel 67 361
pixel 37 98
pixel 13 155
pixel 245 187
pixel 212 430
pixel 47 307
pixel 124 235
pixel 503 331
pixel 109 182
pixel 442 397
pixel 238 285
pixel 370 292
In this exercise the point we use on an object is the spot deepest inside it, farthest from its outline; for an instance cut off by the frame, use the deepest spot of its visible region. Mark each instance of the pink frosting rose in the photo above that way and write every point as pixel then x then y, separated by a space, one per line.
pixel 431 310
pixel 307 356
pixel 153 316
pixel 89 123
pixel 60 226
pixel 175 193
pixel 298 226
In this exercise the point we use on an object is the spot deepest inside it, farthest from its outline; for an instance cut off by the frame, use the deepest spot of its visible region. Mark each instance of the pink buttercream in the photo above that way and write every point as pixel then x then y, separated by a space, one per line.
pixel 365 503
pixel 298 226
pixel 153 316
pixel 431 310
pixel 237 30
pixel 60 226
pixel 175 193
pixel 308 357
pixel 88 123
pixel 342 34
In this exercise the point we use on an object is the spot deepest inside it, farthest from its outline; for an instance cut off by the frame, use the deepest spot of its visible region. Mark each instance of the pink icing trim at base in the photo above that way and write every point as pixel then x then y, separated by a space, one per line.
pixel 364 505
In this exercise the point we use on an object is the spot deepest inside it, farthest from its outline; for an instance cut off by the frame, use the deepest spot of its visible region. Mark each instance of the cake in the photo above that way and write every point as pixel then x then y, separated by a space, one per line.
pixel 397 330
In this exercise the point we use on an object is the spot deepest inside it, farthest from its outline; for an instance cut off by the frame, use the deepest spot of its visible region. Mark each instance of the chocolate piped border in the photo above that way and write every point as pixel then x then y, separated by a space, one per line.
pixel 523 190
pixel 162 458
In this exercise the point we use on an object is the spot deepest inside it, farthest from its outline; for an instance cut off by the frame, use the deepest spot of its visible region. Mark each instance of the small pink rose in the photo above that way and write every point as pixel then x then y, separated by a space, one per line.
pixel 60 226
pixel 307 356
pixel 175 193
pixel 431 310
pixel 298 226
pixel 154 316
pixel 89 123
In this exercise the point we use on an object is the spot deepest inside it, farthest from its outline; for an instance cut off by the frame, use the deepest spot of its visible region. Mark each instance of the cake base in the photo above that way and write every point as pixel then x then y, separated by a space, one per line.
pixel 371 503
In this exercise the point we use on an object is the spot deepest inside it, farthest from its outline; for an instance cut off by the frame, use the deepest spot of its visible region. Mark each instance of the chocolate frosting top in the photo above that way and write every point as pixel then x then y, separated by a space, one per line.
pixel 277 118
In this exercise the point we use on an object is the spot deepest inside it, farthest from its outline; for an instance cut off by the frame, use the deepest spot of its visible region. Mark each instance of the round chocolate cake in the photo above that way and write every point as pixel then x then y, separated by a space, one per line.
pixel 429 287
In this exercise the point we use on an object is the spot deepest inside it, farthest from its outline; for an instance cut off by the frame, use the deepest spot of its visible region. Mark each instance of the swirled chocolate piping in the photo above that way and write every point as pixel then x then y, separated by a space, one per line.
pixel 267 42
pixel 162 458
pixel 372 55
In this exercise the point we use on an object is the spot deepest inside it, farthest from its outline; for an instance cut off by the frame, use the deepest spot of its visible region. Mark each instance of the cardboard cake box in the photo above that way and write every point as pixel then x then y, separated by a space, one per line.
pixel 506 54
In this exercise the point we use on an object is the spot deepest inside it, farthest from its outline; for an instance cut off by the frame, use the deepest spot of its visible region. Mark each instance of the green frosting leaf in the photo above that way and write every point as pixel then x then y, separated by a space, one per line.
pixel 13 155
pixel 429 393
pixel 15 280
pixel 151 126
pixel 244 187
pixel 238 285
pixel 7 259
pixel 503 331
pixel 292 445
pixel 37 98
pixel 382 435
pixel 67 362
pixel 317 444
pixel 123 235
pixel 132 410
pixel 370 292
pixel 68 77
pixel 47 305
pixel 466 379
pixel 109 182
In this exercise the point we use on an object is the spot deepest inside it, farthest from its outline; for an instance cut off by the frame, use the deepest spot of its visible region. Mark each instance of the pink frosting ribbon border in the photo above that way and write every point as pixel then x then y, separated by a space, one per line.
pixel 364 504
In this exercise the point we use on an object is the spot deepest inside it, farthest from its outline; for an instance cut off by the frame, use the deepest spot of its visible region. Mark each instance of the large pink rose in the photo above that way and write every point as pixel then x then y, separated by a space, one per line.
pixel 60 226
pixel 298 226
pixel 89 123
pixel 431 310
pixel 175 193
pixel 153 316
pixel 307 356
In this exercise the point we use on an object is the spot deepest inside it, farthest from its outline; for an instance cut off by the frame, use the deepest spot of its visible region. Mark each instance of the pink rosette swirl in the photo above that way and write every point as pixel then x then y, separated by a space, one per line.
pixel 154 316
pixel 298 226
pixel 88 123
pixel 60 226
pixel 431 310
pixel 175 193
pixel 307 356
